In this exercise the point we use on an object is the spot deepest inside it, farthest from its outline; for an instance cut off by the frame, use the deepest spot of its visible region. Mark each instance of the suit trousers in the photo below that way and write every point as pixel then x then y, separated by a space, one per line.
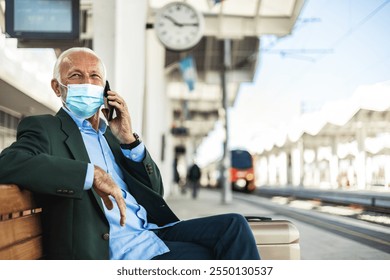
pixel 219 237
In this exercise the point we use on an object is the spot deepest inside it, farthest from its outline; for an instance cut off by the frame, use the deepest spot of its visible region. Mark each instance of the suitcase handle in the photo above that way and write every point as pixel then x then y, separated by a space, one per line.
pixel 257 218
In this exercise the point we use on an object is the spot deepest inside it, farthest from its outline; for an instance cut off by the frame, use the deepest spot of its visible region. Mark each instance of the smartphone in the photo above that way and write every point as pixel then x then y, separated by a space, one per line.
pixel 109 107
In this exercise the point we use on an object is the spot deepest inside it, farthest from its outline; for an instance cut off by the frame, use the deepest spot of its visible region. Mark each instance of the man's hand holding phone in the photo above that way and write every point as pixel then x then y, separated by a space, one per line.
pixel 108 108
pixel 120 124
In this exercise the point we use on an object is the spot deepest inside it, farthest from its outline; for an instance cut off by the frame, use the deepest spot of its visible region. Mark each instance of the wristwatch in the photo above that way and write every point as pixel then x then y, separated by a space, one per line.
pixel 133 144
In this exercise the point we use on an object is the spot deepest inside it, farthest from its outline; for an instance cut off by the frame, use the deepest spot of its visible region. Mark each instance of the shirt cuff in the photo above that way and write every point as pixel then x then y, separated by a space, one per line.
pixel 136 154
pixel 89 177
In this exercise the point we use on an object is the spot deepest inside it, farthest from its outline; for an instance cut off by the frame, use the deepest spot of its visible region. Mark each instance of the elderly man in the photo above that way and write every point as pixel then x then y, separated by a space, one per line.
pixel 100 189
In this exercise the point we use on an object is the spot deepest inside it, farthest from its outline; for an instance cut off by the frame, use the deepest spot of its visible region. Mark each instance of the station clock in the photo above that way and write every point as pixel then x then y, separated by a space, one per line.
pixel 179 26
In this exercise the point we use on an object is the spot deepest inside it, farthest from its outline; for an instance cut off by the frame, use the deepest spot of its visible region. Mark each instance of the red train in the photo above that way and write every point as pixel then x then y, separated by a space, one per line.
pixel 242 175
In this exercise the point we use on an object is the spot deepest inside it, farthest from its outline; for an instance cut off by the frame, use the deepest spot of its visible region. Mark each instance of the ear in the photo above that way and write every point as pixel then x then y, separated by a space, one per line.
pixel 55 85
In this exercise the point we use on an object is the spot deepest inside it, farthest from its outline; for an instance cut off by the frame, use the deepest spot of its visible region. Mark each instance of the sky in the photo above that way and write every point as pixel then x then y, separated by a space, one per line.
pixel 335 47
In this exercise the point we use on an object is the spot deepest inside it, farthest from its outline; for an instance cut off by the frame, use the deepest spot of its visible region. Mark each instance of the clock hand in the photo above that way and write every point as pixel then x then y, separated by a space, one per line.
pixel 190 24
pixel 180 24
pixel 173 20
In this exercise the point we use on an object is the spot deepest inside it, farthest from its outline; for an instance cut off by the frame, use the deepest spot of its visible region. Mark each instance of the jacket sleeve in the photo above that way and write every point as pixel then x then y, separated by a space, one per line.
pixel 29 163
pixel 146 172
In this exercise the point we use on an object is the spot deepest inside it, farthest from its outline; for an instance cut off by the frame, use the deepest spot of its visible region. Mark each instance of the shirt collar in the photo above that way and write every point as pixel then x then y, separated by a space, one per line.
pixel 83 124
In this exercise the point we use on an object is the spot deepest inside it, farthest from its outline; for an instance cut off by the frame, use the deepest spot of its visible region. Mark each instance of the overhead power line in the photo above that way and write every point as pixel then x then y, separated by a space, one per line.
pixel 360 23
pixel 305 53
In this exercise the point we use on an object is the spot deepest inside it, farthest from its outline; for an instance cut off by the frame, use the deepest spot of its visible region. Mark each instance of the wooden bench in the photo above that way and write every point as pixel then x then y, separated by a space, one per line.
pixel 20 225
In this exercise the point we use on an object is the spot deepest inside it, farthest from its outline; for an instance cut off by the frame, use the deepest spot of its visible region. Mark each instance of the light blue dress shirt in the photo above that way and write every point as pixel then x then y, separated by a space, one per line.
pixel 135 240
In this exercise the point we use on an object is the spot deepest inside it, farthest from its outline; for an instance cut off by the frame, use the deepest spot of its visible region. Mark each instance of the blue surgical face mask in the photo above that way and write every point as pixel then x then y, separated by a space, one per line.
pixel 84 100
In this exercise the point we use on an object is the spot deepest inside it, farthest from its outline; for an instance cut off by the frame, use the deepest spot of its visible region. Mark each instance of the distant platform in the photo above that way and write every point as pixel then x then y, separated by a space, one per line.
pixel 367 198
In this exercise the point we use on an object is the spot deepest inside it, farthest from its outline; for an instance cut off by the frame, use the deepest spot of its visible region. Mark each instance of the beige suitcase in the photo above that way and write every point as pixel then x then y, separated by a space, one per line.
pixel 276 239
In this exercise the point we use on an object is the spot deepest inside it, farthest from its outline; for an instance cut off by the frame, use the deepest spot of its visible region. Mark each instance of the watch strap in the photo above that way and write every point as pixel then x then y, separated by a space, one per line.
pixel 133 144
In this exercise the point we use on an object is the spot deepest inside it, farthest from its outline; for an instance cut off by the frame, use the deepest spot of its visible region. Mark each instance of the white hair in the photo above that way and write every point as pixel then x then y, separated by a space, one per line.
pixel 56 70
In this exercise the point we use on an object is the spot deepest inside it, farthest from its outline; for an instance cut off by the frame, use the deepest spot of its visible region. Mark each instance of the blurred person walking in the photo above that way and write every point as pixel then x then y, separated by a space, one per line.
pixel 193 179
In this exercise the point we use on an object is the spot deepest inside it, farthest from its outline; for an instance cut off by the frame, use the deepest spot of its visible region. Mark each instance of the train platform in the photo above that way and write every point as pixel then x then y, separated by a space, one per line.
pixel 208 202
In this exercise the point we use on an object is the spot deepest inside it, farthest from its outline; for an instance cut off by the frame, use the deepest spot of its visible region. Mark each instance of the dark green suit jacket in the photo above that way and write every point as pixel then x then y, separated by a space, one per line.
pixel 49 158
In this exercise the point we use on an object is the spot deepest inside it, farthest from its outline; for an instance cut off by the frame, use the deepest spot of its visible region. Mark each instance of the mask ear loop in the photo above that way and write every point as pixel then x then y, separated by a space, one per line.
pixel 63 99
pixel 61 84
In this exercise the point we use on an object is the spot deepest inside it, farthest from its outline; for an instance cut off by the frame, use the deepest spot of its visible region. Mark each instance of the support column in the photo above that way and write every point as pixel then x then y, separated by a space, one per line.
pixel 130 56
pixel 316 169
pixel 283 168
pixel 289 168
pixel 297 164
pixel 263 170
pixel 334 164
pixel 272 169
pixel 387 172
pixel 361 159
pixel 119 38
pixel 104 35
pixel 157 115
pixel 227 195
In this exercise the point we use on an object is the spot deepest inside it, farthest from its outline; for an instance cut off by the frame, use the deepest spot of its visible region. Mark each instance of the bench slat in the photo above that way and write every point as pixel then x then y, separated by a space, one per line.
pixel 29 250
pixel 13 199
pixel 17 230
pixel 20 225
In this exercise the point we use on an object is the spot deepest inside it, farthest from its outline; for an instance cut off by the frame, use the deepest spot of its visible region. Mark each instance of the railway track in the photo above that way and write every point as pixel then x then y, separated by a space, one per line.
pixel 342 220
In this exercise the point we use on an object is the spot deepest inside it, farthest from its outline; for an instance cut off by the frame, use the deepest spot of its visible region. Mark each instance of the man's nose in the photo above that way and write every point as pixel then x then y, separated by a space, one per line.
pixel 87 80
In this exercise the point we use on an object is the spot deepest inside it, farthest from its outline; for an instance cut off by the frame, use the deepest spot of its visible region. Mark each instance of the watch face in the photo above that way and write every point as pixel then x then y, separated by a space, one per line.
pixel 179 26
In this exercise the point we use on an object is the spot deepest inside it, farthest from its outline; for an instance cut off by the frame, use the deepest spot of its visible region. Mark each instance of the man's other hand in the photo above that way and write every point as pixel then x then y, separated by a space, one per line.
pixel 104 186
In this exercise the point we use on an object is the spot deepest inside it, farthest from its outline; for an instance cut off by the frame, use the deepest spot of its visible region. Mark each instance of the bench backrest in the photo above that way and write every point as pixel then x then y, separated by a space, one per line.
pixel 20 225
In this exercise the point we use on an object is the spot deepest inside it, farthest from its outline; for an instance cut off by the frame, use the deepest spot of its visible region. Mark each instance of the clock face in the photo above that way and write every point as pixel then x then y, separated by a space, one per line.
pixel 179 26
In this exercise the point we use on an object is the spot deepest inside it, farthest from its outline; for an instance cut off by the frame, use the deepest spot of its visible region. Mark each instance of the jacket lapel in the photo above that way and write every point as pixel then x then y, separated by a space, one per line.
pixel 74 141
pixel 75 144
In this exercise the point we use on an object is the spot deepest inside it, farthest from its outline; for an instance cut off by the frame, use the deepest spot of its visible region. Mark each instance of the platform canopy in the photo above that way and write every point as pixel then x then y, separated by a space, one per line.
pixel 366 115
